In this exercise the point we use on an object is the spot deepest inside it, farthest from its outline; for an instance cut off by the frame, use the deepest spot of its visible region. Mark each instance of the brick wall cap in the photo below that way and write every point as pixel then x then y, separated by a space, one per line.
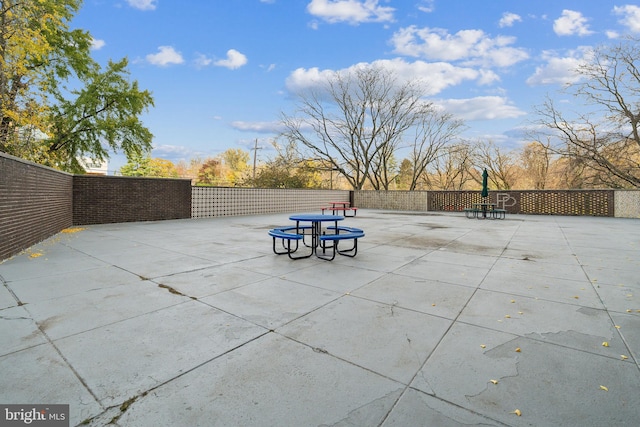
pixel 30 163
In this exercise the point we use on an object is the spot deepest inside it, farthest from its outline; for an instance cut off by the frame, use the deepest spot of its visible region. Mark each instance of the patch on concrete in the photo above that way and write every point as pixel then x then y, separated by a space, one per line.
pixel 432 226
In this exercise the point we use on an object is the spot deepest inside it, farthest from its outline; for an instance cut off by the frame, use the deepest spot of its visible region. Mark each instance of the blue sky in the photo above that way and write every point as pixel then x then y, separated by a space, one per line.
pixel 222 71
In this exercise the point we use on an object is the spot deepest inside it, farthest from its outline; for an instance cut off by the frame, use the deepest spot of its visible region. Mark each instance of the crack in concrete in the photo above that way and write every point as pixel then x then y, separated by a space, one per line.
pixel 365 414
pixel 15 318
pixel 175 291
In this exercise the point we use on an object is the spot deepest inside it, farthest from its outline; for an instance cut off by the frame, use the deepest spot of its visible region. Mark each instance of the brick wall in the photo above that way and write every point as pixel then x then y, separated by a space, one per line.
pixel 109 199
pixel 35 203
pixel 545 202
pixel 559 202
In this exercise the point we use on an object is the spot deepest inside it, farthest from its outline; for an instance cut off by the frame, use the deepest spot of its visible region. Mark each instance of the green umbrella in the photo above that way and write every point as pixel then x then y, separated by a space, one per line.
pixel 485 188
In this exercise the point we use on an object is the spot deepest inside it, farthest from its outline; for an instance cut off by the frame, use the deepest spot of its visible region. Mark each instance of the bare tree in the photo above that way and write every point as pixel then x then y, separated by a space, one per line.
pixel 501 165
pixel 536 161
pixel 450 171
pixel 605 138
pixel 573 173
pixel 355 122
pixel 435 131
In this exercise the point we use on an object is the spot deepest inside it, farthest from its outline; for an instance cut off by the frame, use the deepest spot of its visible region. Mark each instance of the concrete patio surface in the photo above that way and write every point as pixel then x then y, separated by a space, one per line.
pixel 438 321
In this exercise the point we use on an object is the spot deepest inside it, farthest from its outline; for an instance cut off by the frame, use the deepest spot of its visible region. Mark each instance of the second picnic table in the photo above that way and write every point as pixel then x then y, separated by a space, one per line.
pixel 484 207
pixel 336 207
pixel 480 210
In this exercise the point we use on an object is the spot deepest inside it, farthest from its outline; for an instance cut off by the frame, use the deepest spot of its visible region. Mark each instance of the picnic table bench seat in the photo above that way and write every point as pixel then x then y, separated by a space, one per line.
pixel 498 213
pixel 287 235
pixel 494 213
pixel 331 241
pixel 472 212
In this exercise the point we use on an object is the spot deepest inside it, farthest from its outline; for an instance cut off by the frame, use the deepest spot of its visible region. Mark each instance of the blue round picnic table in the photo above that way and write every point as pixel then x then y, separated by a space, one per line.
pixel 316 221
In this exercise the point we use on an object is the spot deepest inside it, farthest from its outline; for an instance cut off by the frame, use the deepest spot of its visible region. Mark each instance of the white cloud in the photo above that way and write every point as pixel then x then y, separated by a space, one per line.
pixel 303 78
pixel 571 23
pixel 630 16
pixel 259 127
pixel 167 55
pixel 172 151
pixel 178 153
pixel 202 61
pixel 427 6
pixel 472 46
pixel 234 60
pixel 350 11
pixel 143 4
pixel 436 76
pixel 481 108
pixel 508 19
pixel 559 70
pixel 97 44
pixel 611 34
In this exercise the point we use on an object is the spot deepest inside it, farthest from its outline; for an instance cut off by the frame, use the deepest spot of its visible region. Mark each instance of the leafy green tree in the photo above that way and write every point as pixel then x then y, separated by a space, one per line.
pixel 288 170
pixel 236 163
pixel 405 174
pixel 145 165
pixel 57 103
pixel 210 173
pixel 273 175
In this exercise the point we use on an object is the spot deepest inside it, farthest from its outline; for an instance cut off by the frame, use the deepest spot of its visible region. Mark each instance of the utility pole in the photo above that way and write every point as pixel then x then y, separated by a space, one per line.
pixel 255 152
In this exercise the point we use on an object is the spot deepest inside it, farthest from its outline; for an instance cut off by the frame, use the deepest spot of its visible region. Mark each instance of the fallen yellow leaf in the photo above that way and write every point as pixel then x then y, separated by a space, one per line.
pixel 35 255
pixel 629 311
pixel 483 346
pixel 517 412
pixel 623 357
pixel 520 312
pixel 506 316
pixel 72 230
pixel 576 297
pixel 494 381
pixel 617 326
pixel 603 388
pixel 518 350
pixel 605 344
pixel 433 305
pixel 513 301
